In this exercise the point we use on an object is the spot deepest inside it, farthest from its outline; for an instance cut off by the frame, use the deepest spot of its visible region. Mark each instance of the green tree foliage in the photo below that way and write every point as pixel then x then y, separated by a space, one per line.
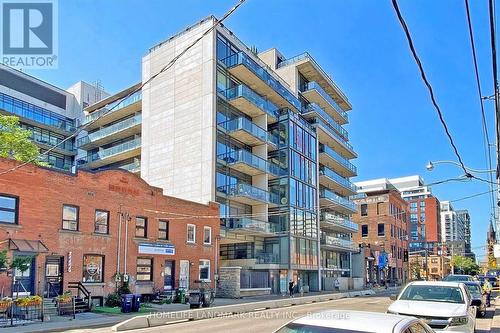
pixel 15 141
pixel 464 265
pixel 3 260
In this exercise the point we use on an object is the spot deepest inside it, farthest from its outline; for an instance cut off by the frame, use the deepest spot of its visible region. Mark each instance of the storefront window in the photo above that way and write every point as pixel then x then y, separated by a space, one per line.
pixel 144 269
pixel 93 268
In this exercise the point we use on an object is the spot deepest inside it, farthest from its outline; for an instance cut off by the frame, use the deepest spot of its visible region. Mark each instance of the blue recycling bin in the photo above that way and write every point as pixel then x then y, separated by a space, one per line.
pixel 136 302
pixel 127 300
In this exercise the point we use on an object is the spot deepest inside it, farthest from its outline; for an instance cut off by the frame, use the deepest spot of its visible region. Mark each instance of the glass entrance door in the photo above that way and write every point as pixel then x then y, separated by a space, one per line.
pixel 169 275
pixel 53 276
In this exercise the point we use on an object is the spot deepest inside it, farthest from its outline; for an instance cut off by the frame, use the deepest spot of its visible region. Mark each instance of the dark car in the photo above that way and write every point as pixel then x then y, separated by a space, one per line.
pixel 458 278
pixel 478 297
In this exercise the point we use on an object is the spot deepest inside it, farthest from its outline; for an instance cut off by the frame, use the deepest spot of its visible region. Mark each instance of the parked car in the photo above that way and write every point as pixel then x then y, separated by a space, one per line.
pixel 345 321
pixel 458 278
pixel 478 297
pixel 492 278
pixel 444 306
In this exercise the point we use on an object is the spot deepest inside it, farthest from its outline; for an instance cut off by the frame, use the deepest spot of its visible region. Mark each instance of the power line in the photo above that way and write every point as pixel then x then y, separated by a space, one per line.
pixel 165 68
pixel 473 196
pixel 428 85
pixel 486 138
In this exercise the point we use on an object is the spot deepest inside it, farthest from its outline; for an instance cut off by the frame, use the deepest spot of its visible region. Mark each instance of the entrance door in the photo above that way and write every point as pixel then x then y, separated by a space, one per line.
pixel 25 280
pixel 169 275
pixel 184 274
pixel 54 268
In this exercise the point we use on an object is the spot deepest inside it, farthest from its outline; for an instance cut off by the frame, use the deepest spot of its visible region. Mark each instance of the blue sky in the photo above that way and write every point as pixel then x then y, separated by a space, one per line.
pixel 393 126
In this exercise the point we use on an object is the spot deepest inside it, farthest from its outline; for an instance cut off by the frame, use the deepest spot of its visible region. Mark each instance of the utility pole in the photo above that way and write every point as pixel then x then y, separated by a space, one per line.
pixel 452 265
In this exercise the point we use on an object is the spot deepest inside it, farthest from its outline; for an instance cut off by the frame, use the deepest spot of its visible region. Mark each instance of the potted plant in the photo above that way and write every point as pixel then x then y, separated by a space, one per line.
pixel 29 301
pixel 65 298
pixel 5 303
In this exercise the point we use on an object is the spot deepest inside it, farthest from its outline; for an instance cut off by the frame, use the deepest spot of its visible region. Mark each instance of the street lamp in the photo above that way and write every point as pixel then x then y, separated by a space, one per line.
pixel 430 166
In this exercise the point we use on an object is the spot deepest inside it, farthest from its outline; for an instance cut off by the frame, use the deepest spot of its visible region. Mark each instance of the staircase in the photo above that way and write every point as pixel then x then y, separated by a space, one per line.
pixel 49 307
pixel 83 300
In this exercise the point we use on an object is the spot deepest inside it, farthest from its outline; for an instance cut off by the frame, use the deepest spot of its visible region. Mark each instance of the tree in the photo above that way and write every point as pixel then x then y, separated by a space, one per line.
pixel 464 265
pixel 3 260
pixel 15 141
pixel 415 268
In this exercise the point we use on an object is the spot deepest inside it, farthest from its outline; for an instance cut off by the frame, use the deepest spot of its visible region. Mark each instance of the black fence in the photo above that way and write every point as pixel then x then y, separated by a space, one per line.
pixel 12 314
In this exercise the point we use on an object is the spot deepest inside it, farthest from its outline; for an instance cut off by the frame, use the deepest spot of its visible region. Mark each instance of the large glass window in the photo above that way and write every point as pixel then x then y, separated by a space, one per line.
pixel 70 217
pixel 144 269
pixel 93 268
pixel 9 209
pixel 101 222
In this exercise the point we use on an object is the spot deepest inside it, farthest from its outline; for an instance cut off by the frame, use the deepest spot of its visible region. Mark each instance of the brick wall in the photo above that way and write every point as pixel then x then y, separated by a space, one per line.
pixel 43 192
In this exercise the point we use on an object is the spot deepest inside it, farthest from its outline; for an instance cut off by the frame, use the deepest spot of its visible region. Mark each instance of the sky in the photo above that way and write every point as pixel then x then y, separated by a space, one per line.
pixel 393 126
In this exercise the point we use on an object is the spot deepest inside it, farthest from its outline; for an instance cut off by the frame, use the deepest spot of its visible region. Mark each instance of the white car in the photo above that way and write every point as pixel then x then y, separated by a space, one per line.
pixel 346 321
pixel 444 306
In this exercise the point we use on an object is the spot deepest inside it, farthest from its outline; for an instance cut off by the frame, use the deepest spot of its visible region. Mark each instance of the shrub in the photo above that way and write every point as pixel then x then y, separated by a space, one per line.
pixel 113 299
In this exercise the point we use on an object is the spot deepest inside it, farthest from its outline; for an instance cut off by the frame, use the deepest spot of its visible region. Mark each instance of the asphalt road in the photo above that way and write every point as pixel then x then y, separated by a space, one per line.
pixel 269 320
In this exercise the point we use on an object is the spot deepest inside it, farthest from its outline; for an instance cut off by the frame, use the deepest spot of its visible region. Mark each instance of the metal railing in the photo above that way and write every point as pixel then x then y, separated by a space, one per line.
pixel 323 170
pixel 113 107
pixel 339 158
pixel 315 86
pixel 247 93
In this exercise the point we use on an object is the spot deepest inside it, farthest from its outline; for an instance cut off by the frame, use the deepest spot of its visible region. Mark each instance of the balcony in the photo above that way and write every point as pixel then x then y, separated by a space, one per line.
pixel 134 167
pixel 327 135
pixel 35 115
pixel 111 155
pixel 55 144
pixel 246 162
pixel 312 71
pixel 272 141
pixel 314 110
pixel 245 131
pixel 261 80
pixel 335 161
pixel 336 202
pixel 115 132
pixel 251 104
pixel 248 194
pixel 338 244
pixel 249 226
pixel 313 92
pixel 332 180
pixel 114 111
pixel 337 223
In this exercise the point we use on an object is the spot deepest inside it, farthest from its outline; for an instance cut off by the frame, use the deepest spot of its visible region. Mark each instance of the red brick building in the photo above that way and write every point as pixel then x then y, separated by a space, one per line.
pixel 382 217
pixel 90 226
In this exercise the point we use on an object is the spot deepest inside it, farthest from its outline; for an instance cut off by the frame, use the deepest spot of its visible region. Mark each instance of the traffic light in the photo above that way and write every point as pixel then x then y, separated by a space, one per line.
pixel 405 256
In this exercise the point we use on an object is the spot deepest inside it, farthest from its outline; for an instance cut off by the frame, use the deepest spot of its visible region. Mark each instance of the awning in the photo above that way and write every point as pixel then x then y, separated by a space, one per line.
pixel 25 245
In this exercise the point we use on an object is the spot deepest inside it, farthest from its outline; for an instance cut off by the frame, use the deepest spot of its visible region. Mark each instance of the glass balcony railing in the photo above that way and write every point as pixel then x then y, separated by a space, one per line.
pixel 247 93
pixel 106 131
pixel 242 58
pixel 337 178
pixel 315 86
pixel 332 196
pixel 249 191
pixel 313 107
pixel 53 141
pixel 267 258
pixel 339 158
pixel 339 220
pixel 249 224
pixel 339 242
pixel 132 167
pixel 115 150
pixel 244 156
pixel 245 124
pixel 330 130
pixel 35 113
pixel 273 138
pixel 113 106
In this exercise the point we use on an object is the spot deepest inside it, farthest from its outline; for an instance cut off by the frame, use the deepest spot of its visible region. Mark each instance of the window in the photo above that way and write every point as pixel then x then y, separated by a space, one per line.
pixel 144 269
pixel 70 217
pixel 381 229
pixel 204 270
pixel 163 230
pixel 9 209
pixel 141 227
pixel 364 230
pixel 101 222
pixel 93 266
pixel 364 210
pixel 207 235
pixel 379 208
pixel 191 233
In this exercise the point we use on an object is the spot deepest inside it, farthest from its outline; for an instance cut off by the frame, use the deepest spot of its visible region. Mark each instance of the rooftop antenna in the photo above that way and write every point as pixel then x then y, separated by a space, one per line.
pixel 98 90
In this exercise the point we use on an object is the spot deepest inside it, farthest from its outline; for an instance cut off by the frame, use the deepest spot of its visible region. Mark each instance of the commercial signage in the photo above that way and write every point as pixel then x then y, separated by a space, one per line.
pixel 156 248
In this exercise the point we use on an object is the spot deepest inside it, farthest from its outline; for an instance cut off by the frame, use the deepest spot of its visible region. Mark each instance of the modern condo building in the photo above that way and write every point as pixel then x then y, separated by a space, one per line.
pixel 258 133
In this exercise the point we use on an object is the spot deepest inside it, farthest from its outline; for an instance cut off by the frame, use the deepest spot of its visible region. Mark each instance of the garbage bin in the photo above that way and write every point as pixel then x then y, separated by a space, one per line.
pixel 195 298
pixel 207 295
pixel 136 302
pixel 127 300
pixel 182 295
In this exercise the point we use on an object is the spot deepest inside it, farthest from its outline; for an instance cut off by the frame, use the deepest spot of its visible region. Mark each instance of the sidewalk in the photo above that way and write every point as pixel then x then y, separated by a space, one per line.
pixel 95 320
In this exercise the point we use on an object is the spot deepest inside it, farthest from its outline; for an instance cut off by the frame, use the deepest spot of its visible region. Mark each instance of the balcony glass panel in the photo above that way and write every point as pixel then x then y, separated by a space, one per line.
pixel 115 128
pixel 337 178
pixel 335 241
pixel 242 58
pixel 313 107
pixel 252 96
pixel 315 86
pixel 114 106
pixel 336 156
pixel 249 224
pixel 342 221
pixel 245 124
pixel 250 191
pixel 332 196
pixel 118 149
pixel 331 131
pixel 244 156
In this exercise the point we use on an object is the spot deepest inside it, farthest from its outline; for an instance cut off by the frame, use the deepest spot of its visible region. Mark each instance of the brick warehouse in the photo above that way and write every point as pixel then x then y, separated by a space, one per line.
pixel 70 225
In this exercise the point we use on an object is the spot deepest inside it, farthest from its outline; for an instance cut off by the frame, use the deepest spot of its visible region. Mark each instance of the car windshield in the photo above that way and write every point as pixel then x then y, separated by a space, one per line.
pixel 474 288
pixel 304 328
pixel 457 278
pixel 432 294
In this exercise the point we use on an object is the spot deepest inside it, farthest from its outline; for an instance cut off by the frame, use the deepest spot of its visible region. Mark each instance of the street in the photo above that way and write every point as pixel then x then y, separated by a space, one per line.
pixel 269 320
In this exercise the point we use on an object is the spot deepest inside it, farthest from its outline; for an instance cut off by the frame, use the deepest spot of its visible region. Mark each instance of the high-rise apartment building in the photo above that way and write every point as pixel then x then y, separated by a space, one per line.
pixel 260 134
pixel 453 226
pixel 51 114
pixel 464 215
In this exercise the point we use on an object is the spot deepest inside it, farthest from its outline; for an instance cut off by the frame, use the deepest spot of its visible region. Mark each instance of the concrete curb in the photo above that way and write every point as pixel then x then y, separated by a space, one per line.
pixel 166 318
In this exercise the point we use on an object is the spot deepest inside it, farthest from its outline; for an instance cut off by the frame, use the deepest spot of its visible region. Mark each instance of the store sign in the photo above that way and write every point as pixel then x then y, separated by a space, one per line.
pixel 156 248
